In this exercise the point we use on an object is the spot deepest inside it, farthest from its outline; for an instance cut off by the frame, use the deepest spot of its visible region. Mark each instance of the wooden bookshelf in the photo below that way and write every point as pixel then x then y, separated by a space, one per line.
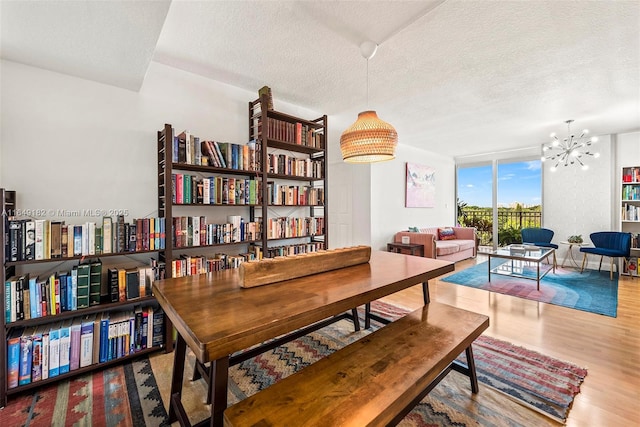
pixel 10 268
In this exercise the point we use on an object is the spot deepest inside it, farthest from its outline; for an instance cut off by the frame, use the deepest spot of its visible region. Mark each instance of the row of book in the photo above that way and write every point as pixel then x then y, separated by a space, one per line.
pixel 294 195
pixel 301 248
pixel 188 265
pixel 284 164
pixel 40 352
pixel 630 212
pixel 286 227
pixel 631 174
pixel 28 239
pixel 190 149
pixel 34 296
pixel 191 231
pixel 294 133
pixel 216 190
pixel 631 192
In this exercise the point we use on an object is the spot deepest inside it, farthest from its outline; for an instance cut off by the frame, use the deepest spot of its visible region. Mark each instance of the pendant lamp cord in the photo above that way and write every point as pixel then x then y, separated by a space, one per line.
pixel 367 83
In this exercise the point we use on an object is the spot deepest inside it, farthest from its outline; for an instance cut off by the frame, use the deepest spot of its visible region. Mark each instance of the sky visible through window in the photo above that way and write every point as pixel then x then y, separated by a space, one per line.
pixel 519 182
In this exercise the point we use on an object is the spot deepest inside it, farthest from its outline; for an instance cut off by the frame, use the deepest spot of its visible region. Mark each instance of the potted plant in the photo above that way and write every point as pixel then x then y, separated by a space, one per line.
pixel 575 239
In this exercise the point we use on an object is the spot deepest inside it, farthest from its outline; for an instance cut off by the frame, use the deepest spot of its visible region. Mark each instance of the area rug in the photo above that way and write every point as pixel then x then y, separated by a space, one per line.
pixel 126 396
pixel 590 291
pixel 513 381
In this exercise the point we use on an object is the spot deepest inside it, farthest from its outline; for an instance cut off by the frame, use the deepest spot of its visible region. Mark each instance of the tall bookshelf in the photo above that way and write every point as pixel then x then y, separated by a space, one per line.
pixel 297 215
pixel 294 154
pixel 28 265
pixel 630 215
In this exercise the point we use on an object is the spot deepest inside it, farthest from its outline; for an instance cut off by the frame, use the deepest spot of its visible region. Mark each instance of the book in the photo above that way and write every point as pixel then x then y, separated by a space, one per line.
pixel 75 344
pixel 65 345
pixel 131 283
pixel 64 240
pixel 9 300
pixel 86 340
pixel 43 331
pixel 77 239
pixel 15 240
pixel 83 285
pixel 39 236
pixel 158 328
pixel 54 350
pixel 36 358
pixel 73 274
pixel 107 236
pixel 13 357
pixel 95 282
pixel 122 284
pixel 266 91
pixel 104 337
pixel 26 354
pixel 56 239
pixel 30 240
pixel 112 281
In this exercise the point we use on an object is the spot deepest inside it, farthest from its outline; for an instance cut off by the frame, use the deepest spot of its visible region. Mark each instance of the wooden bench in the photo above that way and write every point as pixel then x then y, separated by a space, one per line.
pixel 374 381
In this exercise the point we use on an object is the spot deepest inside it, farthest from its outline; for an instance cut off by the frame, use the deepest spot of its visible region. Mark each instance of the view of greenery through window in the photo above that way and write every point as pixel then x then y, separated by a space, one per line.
pixel 519 200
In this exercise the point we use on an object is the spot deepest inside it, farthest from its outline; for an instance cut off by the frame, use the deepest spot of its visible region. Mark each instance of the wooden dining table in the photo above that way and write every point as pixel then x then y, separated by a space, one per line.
pixel 215 317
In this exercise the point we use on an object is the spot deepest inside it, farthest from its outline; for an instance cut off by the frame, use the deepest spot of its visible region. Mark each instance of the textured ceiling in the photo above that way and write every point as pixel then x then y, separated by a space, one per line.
pixel 453 77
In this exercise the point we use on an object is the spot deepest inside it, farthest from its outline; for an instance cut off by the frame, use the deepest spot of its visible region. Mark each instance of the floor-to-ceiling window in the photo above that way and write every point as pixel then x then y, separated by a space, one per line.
pixel 499 198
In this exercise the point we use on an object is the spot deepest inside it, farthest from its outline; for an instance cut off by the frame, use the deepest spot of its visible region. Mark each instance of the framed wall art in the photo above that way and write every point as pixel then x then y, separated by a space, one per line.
pixel 421 186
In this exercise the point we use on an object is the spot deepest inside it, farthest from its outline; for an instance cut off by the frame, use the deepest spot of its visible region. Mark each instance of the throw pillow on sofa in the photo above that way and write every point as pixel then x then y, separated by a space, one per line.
pixel 446 233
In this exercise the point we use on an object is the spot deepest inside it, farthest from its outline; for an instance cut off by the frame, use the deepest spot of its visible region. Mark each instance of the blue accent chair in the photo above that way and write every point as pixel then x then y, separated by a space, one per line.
pixel 539 237
pixel 612 244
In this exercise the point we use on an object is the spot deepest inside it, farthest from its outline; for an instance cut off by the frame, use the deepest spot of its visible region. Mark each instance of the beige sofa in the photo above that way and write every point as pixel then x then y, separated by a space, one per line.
pixel 462 247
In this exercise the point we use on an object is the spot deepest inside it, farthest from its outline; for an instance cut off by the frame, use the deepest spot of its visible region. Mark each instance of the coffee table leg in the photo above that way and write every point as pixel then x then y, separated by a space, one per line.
pixel 538 275
pixel 489 268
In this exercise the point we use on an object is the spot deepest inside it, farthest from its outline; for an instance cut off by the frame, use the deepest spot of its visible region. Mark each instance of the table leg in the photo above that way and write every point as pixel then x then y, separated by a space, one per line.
pixel 489 268
pixel 176 379
pixel 425 292
pixel 219 385
pixel 538 275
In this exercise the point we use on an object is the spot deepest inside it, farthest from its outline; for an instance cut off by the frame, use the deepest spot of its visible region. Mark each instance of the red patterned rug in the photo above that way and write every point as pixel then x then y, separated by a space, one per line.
pixel 125 395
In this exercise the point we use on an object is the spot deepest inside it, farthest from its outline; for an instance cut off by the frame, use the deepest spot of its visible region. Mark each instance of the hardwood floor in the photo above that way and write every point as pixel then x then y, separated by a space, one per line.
pixel 608 347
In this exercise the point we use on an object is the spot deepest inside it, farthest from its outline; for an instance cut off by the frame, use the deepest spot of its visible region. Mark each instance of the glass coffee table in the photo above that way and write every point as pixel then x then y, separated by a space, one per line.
pixel 518 257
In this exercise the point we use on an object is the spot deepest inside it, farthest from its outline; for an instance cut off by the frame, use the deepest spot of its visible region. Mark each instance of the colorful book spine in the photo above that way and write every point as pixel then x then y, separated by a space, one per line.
pixel 13 357
pixel 26 354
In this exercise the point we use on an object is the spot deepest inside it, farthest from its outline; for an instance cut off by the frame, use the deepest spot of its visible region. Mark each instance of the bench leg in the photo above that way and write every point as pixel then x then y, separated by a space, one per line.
pixel 356 319
pixel 367 315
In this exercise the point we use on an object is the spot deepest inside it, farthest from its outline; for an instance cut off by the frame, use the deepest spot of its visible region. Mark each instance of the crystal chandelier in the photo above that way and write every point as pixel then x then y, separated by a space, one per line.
pixel 369 139
pixel 571 150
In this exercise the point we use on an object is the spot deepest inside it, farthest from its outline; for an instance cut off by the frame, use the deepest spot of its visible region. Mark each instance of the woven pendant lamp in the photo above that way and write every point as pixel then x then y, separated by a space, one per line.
pixel 369 139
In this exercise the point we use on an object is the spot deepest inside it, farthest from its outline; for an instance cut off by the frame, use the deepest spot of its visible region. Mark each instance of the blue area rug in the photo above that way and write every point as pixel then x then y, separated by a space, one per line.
pixel 590 291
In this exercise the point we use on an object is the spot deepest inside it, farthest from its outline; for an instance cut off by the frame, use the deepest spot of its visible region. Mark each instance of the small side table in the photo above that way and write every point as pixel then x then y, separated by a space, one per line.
pixel 412 248
pixel 569 253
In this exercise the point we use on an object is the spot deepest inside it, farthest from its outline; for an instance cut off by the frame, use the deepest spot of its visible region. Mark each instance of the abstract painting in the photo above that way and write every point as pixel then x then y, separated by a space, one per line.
pixel 421 186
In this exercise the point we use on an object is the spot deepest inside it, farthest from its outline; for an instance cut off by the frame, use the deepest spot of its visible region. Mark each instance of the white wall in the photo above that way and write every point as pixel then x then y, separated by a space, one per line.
pixel 74 144
pixel 388 180
pixel 582 202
